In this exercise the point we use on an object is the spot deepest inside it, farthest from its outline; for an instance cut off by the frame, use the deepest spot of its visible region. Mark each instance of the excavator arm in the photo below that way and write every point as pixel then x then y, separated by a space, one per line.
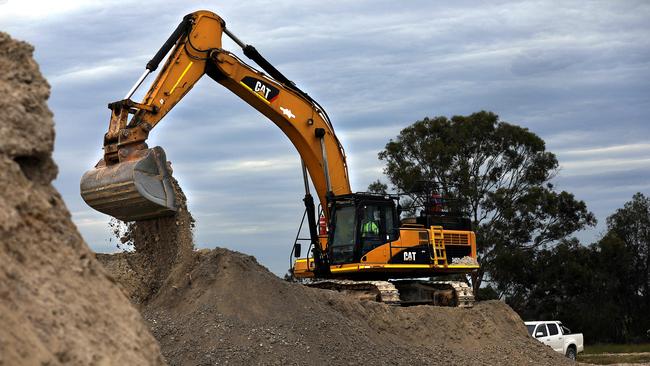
pixel 132 182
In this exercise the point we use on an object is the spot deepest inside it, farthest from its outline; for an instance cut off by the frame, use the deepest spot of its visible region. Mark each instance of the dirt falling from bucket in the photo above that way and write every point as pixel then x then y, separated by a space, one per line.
pixel 158 247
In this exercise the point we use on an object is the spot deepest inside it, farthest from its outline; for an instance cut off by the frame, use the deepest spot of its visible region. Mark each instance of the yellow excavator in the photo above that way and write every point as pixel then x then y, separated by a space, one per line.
pixel 360 245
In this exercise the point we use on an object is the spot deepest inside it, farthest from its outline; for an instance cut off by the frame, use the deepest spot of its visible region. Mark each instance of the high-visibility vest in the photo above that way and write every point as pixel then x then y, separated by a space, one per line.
pixel 369 228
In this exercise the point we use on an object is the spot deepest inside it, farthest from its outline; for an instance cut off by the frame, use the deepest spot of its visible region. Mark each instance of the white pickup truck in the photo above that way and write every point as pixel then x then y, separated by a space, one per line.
pixel 555 335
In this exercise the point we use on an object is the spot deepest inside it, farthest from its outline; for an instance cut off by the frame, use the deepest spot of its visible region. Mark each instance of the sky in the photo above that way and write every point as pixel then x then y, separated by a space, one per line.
pixel 576 73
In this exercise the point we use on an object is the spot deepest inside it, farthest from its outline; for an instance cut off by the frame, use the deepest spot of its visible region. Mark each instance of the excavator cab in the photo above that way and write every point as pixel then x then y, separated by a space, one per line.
pixel 359 223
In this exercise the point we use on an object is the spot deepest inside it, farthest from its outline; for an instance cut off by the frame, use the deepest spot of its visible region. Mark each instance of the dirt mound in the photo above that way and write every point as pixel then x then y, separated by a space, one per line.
pixel 57 305
pixel 229 309
pixel 221 307
pixel 163 246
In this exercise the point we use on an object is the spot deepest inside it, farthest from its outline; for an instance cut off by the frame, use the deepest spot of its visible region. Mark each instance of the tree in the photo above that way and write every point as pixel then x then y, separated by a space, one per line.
pixel 500 173
pixel 377 187
pixel 592 288
pixel 618 315
pixel 632 225
pixel 600 289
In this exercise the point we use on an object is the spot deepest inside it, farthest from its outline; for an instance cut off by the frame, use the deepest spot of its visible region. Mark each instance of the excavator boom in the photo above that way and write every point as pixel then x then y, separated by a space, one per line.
pixel 132 182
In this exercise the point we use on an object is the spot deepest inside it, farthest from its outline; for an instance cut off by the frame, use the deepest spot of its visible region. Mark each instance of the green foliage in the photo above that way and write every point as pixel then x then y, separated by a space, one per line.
pixel 289 277
pixel 617 348
pixel 501 175
pixel 632 225
pixel 378 187
pixel 600 290
pixel 487 293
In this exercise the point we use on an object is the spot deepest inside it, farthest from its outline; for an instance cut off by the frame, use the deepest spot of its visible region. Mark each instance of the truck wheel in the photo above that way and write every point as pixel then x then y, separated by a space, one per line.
pixel 571 353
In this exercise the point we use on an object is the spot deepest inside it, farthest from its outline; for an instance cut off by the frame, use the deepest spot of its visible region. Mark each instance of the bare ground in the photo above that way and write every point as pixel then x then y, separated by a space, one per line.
pixel 228 308
pixel 57 304
pixel 222 307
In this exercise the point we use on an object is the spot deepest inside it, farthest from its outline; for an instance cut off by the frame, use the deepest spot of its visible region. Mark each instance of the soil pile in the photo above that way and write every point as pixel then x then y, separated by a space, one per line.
pixel 57 304
pixel 162 246
pixel 222 307
pixel 227 309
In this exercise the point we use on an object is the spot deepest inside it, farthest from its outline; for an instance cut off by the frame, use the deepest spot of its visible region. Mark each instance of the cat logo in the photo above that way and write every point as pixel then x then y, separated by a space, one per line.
pixel 263 90
pixel 409 256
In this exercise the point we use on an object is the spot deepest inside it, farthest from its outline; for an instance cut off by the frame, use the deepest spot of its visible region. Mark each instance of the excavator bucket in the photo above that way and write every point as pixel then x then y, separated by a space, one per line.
pixel 138 188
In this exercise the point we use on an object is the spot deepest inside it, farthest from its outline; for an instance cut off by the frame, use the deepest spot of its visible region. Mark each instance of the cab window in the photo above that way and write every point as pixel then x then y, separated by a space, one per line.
pixel 344 234
pixel 552 329
pixel 541 329
pixel 375 226
pixel 531 328
pixel 391 230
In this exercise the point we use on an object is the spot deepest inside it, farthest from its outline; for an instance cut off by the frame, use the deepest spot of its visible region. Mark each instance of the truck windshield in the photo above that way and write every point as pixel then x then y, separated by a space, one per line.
pixel 531 328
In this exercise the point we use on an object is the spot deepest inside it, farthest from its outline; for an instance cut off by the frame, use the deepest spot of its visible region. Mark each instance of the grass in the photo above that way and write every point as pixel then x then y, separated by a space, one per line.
pixel 607 354
pixel 617 348
pixel 611 358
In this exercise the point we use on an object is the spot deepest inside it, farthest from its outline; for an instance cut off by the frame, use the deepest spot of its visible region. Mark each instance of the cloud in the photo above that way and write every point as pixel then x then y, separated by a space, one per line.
pixel 96 73
pixel 635 148
pixel 605 160
pixel 574 73
pixel 35 10
pixel 587 167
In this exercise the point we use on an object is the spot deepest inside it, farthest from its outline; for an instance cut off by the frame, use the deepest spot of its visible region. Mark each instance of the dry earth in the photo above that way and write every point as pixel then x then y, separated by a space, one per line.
pixel 222 307
pixel 57 305
pixel 229 309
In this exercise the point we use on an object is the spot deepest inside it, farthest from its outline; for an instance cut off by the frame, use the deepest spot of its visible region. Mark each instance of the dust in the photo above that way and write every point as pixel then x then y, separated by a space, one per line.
pixel 153 249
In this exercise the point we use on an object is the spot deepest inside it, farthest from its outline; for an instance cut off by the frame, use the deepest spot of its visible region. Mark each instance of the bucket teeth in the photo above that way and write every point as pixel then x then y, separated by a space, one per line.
pixel 139 188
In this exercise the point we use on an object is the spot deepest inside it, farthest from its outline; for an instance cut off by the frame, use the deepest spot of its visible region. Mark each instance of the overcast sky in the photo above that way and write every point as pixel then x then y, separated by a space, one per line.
pixel 577 73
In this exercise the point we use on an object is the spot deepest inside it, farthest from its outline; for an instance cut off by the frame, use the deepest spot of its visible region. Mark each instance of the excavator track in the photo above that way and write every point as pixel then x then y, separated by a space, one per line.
pixel 380 291
pixel 404 292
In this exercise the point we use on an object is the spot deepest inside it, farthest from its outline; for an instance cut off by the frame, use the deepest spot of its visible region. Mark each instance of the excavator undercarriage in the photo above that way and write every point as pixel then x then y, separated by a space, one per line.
pixel 404 292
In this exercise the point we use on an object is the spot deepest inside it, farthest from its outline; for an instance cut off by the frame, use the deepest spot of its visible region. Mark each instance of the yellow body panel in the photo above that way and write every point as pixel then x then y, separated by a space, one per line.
pixel 378 260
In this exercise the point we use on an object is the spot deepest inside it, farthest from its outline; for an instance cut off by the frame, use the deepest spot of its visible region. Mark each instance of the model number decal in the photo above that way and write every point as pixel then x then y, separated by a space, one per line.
pixel 260 88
